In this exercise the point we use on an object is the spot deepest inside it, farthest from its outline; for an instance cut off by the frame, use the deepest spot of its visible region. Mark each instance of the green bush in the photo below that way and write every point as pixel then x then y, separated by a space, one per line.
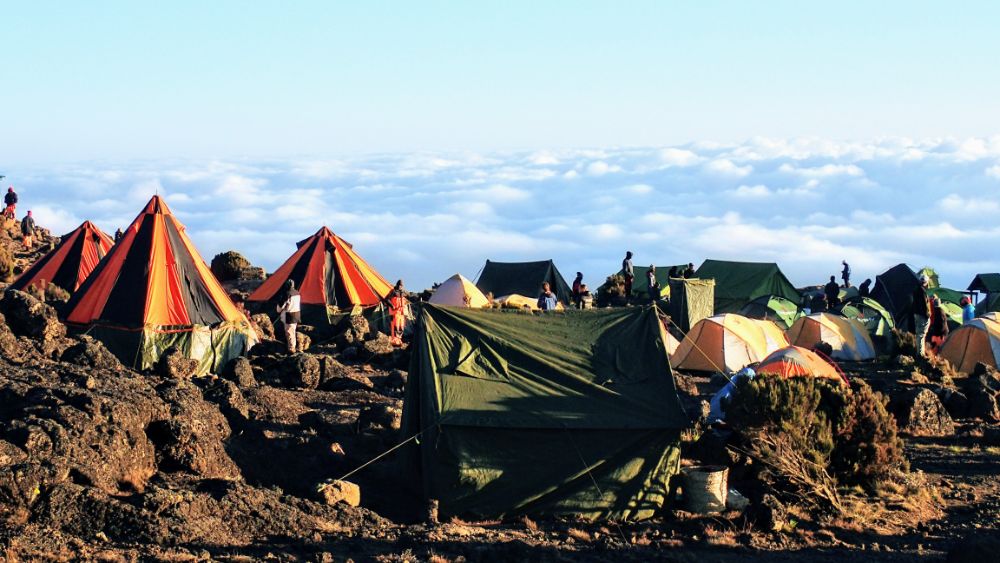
pixel 849 434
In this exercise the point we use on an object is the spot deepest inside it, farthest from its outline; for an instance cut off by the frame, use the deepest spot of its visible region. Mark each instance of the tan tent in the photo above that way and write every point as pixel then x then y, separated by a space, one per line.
pixel 515 301
pixel 727 343
pixel 974 342
pixel 848 337
pixel 457 291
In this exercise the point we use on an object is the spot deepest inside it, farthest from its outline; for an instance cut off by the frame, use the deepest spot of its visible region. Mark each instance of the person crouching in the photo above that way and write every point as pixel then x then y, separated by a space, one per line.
pixel 290 307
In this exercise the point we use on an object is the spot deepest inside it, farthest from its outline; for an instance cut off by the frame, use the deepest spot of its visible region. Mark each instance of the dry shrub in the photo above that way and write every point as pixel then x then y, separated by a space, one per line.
pixel 868 448
pixel 36 292
pixel 55 293
pixel 579 535
pixel 813 435
pixel 529 524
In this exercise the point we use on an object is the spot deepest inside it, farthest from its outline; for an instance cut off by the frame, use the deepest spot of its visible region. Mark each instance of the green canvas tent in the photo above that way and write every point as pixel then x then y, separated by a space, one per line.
pixel 985 283
pixel 522 278
pixel 989 305
pixel 738 283
pixel 570 414
pixel 691 300
pixel 772 308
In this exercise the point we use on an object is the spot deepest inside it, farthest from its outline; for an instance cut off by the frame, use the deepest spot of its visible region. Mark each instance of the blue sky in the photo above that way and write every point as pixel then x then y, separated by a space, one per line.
pixel 435 135
pixel 134 79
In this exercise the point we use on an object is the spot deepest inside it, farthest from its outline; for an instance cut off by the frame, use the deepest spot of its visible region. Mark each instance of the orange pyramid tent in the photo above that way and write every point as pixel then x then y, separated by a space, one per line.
pixel 153 291
pixel 69 264
pixel 328 274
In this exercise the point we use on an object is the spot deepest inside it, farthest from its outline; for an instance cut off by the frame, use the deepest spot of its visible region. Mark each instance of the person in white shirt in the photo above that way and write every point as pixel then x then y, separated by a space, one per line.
pixel 290 307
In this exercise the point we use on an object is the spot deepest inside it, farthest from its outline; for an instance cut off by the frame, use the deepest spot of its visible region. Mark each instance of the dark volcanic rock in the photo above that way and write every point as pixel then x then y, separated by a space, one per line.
pixel 984 406
pixel 240 371
pixel 336 376
pixel 90 352
pixel 174 364
pixel 27 316
pixel 374 417
pixel 920 413
pixel 300 371
pixel 264 325
pixel 192 437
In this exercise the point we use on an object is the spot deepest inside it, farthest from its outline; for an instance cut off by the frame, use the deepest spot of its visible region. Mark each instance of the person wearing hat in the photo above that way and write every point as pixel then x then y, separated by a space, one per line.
pixel 28 230
pixel 921 314
pixel 652 286
pixel 10 200
pixel 968 310
pixel 290 308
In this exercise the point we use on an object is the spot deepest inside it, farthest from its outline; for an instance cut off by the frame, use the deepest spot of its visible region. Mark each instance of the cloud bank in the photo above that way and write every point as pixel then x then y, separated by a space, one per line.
pixel 804 203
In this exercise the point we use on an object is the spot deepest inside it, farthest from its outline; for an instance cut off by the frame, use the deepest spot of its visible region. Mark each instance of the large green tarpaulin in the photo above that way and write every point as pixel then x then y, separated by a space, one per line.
pixel 522 278
pixel 555 414
pixel 691 300
pixel 738 283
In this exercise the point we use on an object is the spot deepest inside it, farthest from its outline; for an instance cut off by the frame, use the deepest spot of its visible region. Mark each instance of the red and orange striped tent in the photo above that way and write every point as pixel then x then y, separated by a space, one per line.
pixel 70 263
pixel 327 273
pixel 153 291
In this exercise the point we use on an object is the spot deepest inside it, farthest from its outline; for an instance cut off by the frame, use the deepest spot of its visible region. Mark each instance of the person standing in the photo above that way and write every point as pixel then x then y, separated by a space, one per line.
pixel 578 290
pixel 845 274
pixel 10 200
pixel 629 273
pixel 921 315
pixel 832 292
pixel 938 330
pixel 396 302
pixel 118 235
pixel 652 287
pixel 968 310
pixel 864 290
pixel 689 272
pixel 547 300
pixel 28 230
pixel 290 307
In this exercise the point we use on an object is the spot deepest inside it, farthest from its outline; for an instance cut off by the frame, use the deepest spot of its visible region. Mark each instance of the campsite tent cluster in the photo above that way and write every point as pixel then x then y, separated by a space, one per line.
pixel 571 414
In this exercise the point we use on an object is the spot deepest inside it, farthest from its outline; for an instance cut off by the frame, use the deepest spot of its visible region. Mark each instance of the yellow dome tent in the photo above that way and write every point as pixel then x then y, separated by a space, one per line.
pixel 974 342
pixel 848 337
pixel 727 343
pixel 515 301
pixel 458 291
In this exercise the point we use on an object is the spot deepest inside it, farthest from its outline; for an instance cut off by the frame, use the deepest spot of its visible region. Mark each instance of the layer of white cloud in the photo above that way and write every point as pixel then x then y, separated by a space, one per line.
pixel 805 203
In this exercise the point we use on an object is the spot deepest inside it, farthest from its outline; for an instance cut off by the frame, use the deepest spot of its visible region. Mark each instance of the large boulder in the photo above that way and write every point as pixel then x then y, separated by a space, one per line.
pixel 984 406
pixel 264 326
pixel 356 332
pixel 90 352
pixel 301 371
pixel 335 376
pixel 27 316
pixel 230 266
pixel 380 417
pixel 240 371
pixel 10 348
pixel 173 364
pixel 380 348
pixel 192 439
pixel 919 412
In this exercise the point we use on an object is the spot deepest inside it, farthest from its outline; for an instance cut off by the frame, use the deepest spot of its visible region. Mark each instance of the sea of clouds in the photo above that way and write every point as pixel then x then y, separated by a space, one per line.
pixel 804 203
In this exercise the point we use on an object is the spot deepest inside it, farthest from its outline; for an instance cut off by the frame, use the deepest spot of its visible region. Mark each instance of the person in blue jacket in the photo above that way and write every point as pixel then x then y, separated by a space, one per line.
pixel 968 310
pixel 547 300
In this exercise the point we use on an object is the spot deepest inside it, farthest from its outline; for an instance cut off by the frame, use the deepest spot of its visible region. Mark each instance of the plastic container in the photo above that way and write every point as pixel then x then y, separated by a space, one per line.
pixel 705 488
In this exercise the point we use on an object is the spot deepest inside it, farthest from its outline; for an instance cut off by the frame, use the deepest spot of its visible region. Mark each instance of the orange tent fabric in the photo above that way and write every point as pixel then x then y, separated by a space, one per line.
pixel 794 361
pixel 154 286
pixel 71 262
pixel 326 271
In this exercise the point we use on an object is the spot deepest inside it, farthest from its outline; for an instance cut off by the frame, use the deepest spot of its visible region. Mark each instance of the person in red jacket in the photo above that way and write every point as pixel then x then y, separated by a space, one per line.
pixel 397 302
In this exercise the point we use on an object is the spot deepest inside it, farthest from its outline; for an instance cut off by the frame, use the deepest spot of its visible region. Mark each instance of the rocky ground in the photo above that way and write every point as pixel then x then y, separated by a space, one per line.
pixel 98 462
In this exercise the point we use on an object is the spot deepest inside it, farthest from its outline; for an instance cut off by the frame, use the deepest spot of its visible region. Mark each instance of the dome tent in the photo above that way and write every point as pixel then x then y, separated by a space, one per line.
pixel 153 291
pixel 795 361
pixel 457 291
pixel 848 337
pixel 972 343
pixel 727 343
pixel 773 308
